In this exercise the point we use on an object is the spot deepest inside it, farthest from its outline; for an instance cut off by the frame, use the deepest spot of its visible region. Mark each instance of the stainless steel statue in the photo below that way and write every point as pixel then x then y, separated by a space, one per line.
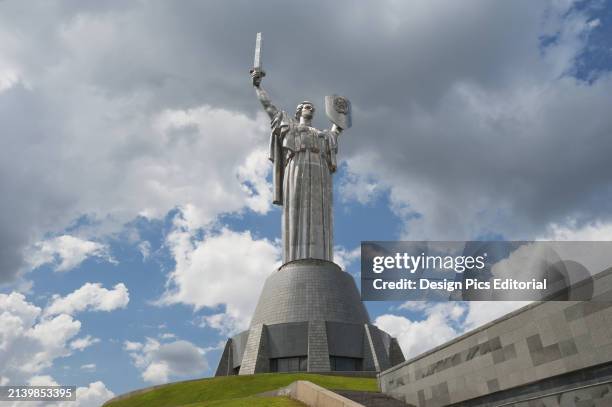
pixel 304 161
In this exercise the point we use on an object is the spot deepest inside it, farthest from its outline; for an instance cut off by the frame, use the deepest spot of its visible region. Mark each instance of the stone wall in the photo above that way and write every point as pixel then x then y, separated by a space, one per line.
pixel 514 358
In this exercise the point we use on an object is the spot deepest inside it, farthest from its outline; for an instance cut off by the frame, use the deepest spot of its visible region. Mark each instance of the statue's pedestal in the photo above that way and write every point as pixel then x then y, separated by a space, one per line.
pixel 309 318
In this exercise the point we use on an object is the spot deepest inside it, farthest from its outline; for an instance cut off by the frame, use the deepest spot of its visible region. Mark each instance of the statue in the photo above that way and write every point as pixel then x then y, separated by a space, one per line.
pixel 304 161
pixel 309 296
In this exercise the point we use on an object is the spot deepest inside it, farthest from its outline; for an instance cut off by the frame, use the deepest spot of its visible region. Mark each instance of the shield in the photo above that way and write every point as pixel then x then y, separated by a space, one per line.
pixel 338 110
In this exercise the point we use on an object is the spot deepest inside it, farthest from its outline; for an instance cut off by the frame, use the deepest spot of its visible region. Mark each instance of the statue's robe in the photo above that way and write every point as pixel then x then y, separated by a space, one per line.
pixel 304 162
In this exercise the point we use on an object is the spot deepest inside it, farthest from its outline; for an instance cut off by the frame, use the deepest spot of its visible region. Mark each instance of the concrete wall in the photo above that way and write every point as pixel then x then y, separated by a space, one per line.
pixel 514 358
pixel 316 396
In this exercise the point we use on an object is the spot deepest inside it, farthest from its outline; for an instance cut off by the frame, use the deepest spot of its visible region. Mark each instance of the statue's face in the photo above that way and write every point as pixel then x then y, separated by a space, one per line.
pixel 307 111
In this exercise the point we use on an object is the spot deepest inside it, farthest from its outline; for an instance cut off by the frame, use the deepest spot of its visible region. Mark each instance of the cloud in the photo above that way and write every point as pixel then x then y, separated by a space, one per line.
pixel 145 249
pixel 344 257
pixel 573 231
pixel 145 154
pixel 160 361
pixel 467 154
pixel 52 334
pixel 29 342
pixel 363 187
pixel 226 323
pixel 8 79
pixel 167 335
pixel 132 346
pixel 166 171
pixel 437 323
pixel 93 395
pixel 418 336
pixel 66 252
pixel 479 313
pixel 222 268
pixel 84 342
pixel 89 367
pixel 90 297
pixel 42 380
pixel 594 256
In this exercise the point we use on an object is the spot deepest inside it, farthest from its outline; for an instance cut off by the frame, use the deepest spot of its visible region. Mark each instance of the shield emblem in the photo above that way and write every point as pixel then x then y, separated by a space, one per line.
pixel 338 110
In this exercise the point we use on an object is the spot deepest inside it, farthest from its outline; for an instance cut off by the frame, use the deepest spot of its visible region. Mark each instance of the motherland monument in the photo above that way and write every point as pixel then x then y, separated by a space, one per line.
pixel 309 316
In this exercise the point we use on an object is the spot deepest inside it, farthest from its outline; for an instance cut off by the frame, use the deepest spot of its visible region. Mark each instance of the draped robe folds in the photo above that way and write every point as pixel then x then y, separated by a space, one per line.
pixel 304 161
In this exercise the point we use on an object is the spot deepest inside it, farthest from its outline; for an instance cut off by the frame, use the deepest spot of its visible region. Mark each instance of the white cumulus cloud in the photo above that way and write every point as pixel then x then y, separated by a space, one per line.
pixel 29 342
pixel 417 336
pixel 90 297
pixel 344 257
pixel 84 342
pixel 66 252
pixel 93 395
pixel 145 249
pixel 480 313
pixel 158 362
pixel 223 268
pixel 131 346
pixel 437 323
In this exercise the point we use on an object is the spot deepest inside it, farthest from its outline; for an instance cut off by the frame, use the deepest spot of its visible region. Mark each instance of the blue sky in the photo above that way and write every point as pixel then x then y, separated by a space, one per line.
pixel 136 225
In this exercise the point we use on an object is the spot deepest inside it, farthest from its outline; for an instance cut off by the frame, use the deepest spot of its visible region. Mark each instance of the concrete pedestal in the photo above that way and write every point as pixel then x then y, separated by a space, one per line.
pixel 309 318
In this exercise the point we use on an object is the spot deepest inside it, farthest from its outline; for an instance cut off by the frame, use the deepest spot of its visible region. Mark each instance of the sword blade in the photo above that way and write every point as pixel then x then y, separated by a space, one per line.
pixel 257 59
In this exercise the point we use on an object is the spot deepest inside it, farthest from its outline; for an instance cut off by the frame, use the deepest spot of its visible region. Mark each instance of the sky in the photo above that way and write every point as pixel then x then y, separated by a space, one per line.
pixel 136 224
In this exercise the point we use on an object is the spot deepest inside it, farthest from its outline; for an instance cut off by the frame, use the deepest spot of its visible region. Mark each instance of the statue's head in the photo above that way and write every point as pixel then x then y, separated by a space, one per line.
pixel 305 109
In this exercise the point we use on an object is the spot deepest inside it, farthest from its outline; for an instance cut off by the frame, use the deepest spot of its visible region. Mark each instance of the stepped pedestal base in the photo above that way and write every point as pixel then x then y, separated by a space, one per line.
pixel 309 318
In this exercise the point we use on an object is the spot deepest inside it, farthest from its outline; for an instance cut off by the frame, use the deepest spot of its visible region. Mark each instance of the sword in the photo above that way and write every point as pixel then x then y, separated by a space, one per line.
pixel 257 59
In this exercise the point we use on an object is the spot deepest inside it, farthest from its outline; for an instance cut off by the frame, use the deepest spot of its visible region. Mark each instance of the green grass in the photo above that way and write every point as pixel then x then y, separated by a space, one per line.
pixel 234 391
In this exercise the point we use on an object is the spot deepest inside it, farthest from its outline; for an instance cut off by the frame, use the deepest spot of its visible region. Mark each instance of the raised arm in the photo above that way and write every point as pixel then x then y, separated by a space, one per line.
pixel 262 95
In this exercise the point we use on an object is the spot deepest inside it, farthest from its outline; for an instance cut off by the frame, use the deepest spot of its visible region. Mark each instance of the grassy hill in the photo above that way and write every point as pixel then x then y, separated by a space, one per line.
pixel 233 391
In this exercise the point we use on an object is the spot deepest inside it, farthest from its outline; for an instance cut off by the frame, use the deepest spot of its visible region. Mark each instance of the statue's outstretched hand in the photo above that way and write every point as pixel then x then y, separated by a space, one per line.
pixel 257 75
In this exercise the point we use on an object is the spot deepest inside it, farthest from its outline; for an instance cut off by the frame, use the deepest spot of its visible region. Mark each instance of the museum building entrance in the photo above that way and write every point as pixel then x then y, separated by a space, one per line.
pixel 300 364
pixel 293 364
